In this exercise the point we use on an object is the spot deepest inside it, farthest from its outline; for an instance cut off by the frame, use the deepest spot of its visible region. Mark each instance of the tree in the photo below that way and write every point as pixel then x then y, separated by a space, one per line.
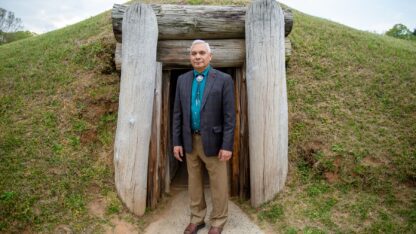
pixel 15 36
pixel 400 31
pixel 9 25
pixel 8 22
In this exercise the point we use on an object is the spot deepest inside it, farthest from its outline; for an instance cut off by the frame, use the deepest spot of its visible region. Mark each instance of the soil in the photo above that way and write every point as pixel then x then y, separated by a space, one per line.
pixel 175 218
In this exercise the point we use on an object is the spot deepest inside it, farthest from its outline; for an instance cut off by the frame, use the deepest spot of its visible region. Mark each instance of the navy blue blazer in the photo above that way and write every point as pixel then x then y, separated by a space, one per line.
pixel 217 113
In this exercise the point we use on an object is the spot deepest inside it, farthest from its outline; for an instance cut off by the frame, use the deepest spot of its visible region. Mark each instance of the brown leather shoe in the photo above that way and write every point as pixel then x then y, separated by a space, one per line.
pixel 193 228
pixel 215 230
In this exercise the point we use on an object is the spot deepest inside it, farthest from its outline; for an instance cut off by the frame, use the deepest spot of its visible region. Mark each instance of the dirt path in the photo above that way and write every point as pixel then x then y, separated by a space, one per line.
pixel 176 216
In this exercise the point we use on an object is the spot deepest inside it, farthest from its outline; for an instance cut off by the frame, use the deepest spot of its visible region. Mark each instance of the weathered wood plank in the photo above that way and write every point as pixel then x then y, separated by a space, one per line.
pixel 226 53
pixel 165 149
pixel 244 138
pixel 235 160
pixel 190 22
pixel 154 184
pixel 134 121
pixel 173 163
pixel 267 100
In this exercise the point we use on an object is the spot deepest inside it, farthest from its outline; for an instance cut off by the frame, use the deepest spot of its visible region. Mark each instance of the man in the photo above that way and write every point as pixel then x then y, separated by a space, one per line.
pixel 203 127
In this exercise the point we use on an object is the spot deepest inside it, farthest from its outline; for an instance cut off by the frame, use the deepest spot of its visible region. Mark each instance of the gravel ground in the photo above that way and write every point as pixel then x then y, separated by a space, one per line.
pixel 176 218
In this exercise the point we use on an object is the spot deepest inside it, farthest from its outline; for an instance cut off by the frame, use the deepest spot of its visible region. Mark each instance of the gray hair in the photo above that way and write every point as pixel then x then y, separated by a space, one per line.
pixel 201 42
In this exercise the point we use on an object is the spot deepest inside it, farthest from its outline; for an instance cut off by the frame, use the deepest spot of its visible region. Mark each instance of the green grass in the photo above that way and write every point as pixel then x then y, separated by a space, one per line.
pixel 54 141
pixel 352 125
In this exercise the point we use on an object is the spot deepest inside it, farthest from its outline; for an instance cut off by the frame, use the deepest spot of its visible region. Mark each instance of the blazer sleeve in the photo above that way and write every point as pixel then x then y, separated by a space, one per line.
pixel 228 108
pixel 177 117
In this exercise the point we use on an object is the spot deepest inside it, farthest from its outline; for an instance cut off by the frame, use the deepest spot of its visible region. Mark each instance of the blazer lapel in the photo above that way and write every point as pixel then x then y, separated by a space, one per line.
pixel 210 82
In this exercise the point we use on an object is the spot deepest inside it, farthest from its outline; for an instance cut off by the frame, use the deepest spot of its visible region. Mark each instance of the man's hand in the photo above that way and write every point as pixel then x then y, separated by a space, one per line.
pixel 224 155
pixel 178 152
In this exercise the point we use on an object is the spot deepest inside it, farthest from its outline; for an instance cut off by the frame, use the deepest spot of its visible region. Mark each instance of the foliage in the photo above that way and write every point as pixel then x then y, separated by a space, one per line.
pixel 402 32
pixel 271 213
pixel 7 37
pixel 8 22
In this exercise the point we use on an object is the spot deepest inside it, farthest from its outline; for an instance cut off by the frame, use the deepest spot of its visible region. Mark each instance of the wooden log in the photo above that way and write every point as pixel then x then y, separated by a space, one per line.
pixel 267 100
pixel 288 21
pixel 226 53
pixel 131 148
pixel 191 22
pixel 154 181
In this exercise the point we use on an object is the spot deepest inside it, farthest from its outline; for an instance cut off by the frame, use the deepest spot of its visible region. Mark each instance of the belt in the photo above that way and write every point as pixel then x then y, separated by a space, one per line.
pixel 196 132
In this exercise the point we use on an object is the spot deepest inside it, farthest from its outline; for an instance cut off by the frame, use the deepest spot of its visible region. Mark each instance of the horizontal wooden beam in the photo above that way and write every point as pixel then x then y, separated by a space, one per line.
pixel 175 53
pixel 178 22
pixel 226 53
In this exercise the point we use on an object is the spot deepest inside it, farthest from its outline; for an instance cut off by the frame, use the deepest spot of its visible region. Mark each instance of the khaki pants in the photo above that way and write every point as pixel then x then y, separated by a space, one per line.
pixel 218 180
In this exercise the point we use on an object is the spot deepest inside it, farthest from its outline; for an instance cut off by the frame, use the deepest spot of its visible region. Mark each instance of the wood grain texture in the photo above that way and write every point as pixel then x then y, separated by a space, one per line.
pixel 154 180
pixel 226 53
pixel 267 100
pixel 131 148
pixel 235 160
pixel 191 22
pixel 175 53
pixel 244 187
pixel 165 134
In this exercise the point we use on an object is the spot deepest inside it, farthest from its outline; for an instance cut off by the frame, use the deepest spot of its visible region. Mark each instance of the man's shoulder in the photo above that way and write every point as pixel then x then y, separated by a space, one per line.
pixel 224 77
pixel 221 74
pixel 186 74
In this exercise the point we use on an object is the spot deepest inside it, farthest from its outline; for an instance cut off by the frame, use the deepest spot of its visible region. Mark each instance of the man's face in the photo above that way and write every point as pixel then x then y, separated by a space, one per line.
pixel 200 57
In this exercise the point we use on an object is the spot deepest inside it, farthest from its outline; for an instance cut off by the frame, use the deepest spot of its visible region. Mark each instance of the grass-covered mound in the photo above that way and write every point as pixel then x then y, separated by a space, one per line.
pixel 352 111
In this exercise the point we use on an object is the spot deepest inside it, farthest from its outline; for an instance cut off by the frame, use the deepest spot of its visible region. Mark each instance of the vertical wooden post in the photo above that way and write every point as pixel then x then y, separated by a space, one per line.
pixel 134 121
pixel 235 160
pixel 267 99
pixel 154 180
pixel 165 126
pixel 244 138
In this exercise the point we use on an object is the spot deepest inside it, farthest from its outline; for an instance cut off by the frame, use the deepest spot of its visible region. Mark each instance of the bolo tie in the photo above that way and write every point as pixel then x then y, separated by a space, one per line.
pixel 199 78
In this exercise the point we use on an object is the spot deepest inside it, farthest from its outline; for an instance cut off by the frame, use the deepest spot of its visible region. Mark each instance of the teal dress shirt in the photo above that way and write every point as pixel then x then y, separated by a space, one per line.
pixel 196 98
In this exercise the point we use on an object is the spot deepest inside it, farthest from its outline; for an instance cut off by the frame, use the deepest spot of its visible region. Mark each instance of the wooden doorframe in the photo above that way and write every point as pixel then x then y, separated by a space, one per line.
pixel 160 174
pixel 240 162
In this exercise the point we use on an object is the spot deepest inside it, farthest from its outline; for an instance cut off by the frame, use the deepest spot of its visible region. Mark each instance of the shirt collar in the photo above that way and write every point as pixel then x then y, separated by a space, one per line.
pixel 204 72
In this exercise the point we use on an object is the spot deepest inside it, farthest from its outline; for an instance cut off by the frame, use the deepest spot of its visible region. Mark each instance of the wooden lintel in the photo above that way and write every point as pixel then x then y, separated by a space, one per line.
pixel 178 22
